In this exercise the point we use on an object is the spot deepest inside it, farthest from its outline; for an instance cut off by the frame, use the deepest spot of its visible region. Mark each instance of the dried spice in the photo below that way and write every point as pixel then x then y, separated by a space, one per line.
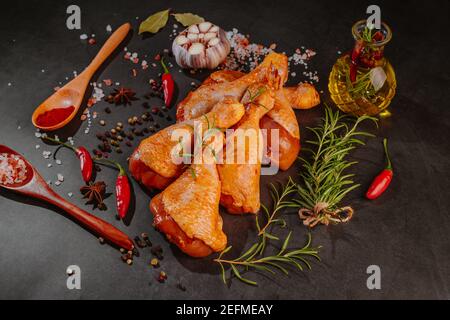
pixel 155 22
pixel 121 96
pixel 146 239
pixel 139 242
pixel 154 262
pixel 162 277
pixel 187 19
pixel 157 251
pixel 95 193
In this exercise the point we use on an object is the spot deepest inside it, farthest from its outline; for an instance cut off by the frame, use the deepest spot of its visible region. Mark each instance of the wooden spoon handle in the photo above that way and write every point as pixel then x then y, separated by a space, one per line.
pixel 97 225
pixel 110 45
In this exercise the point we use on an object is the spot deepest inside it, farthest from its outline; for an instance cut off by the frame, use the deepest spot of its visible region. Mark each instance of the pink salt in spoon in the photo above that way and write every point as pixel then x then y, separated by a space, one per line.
pixel 33 185
pixel 71 95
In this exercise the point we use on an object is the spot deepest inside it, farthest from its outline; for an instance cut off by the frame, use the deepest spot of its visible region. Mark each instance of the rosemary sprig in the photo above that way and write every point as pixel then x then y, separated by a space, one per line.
pixel 366 34
pixel 362 87
pixel 250 260
pixel 254 259
pixel 324 180
pixel 252 97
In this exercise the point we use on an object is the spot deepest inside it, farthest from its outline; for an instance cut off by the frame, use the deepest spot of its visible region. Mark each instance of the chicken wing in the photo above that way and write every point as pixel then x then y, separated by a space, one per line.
pixel 152 162
pixel 187 211
pixel 240 176
pixel 272 71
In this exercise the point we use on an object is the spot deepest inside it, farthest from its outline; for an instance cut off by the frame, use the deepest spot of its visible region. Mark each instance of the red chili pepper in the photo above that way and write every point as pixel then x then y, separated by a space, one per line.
pixel 123 193
pixel 168 84
pixel 86 163
pixel 378 36
pixel 123 189
pixel 382 180
pixel 356 53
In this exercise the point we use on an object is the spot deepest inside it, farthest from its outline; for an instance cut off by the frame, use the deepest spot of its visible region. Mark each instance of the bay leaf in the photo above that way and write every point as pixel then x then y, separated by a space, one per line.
pixel 155 22
pixel 188 19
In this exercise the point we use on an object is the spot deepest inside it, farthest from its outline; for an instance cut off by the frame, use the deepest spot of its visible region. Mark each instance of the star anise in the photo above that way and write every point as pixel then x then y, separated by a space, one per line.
pixel 121 96
pixel 95 193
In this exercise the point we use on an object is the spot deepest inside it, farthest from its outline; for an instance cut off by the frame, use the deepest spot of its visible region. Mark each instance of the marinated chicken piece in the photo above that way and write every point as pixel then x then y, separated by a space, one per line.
pixel 288 146
pixel 281 117
pixel 303 96
pixel 152 163
pixel 272 71
pixel 240 172
pixel 187 211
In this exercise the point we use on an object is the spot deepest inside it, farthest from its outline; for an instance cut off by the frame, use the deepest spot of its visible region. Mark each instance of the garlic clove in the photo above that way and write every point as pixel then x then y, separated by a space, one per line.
pixel 213 42
pixel 204 26
pixel 196 48
pixel 208 36
pixel 214 29
pixel 193 29
pixel 192 36
pixel 181 40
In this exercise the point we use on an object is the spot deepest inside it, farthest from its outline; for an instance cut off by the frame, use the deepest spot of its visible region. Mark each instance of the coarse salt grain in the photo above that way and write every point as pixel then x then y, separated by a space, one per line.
pixel 12 169
pixel 245 56
pixel 83 36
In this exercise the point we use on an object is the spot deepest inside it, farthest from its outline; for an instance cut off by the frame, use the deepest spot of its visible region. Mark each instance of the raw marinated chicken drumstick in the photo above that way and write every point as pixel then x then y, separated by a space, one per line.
pixel 281 117
pixel 272 71
pixel 302 96
pixel 152 163
pixel 187 211
pixel 240 179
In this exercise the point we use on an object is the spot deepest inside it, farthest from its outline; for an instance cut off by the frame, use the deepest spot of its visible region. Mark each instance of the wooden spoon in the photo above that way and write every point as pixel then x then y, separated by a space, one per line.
pixel 73 92
pixel 34 186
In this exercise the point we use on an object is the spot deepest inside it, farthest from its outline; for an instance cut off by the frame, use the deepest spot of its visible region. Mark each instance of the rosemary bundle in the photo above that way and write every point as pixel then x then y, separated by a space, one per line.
pixel 254 258
pixel 324 180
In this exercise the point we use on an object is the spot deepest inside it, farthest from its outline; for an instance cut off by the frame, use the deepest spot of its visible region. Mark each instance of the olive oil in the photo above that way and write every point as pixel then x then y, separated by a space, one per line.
pixel 362 105
pixel 363 81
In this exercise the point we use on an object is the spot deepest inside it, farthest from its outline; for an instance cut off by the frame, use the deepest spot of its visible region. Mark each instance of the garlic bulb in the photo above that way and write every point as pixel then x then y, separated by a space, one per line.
pixel 199 46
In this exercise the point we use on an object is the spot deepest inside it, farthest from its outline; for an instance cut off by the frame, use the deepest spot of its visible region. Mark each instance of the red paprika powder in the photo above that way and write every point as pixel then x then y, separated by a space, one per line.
pixel 54 116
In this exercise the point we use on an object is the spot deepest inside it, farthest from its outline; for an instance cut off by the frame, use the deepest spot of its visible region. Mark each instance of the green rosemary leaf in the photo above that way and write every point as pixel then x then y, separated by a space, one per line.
pixel 276 265
pixel 238 275
pixel 263 268
pixel 285 243
pixel 249 251
pixel 268 235
pixel 222 269
pixel 225 251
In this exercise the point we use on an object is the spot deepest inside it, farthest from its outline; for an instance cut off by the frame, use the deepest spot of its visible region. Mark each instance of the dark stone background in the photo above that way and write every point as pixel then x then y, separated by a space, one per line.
pixel 405 232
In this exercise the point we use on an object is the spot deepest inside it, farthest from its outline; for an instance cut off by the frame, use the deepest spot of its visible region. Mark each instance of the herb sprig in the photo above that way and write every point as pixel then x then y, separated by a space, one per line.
pixel 362 87
pixel 324 179
pixel 254 258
